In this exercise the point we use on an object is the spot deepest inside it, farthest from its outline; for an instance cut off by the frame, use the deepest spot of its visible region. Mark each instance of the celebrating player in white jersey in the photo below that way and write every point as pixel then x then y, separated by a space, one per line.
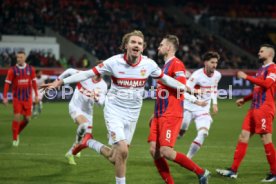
pixel 40 80
pixel 129 72
pixel 86 94
pixel 207 80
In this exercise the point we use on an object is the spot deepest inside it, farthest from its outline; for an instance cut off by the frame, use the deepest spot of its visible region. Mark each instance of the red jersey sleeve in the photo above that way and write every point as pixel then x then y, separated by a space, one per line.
pixel 8 81
pixel 10 76
pixel 268 81
pixel 179 72
pixel 248 97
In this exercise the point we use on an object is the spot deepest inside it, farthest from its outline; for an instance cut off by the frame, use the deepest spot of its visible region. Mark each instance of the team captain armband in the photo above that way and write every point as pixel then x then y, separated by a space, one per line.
pixel 180 74
pixel 272 76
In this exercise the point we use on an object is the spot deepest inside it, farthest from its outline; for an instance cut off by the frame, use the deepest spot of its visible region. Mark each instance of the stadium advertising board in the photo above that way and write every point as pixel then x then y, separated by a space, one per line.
pixel 229 86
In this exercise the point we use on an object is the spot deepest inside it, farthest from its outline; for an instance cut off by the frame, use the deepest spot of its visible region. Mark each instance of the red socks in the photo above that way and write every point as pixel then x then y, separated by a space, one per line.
pixel 271 157
pixel 22 125
pixel 184 161
pixel 15 129
pixel 164 170
pixel 239 155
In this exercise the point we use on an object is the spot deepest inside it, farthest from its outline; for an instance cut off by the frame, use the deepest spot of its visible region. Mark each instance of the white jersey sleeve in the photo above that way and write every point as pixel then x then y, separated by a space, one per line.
pixel 214 93
pixel 156 72
pixel 105 68
pixel 191 82
pixel 67 73
pixel 80 76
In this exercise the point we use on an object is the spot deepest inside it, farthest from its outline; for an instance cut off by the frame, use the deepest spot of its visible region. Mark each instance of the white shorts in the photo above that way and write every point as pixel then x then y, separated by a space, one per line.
pixel 201 119
pixel 120 123
pixel 75 112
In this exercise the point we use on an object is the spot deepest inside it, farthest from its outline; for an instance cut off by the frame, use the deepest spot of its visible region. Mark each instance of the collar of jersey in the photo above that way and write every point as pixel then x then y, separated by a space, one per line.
pixel 267 64
pixel 21 67
pixel 133 65
pixel 168 60
pixel 204 71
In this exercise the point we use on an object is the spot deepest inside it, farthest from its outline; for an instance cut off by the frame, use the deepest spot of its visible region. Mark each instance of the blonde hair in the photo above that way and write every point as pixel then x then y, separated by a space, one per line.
pixel 126 37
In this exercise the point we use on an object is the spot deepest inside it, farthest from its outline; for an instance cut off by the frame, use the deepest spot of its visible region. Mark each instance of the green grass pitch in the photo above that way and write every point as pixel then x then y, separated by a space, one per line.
pixel 43 144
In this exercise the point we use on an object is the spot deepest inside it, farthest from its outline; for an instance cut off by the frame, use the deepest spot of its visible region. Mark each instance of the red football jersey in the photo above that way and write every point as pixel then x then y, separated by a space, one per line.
pixel 264 89
pixel 168 103
pixel 21 79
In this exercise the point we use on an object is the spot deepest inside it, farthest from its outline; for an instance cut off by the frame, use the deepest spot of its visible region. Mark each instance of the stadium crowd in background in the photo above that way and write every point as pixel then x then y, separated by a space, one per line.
pixel 95 28
pixel 40 59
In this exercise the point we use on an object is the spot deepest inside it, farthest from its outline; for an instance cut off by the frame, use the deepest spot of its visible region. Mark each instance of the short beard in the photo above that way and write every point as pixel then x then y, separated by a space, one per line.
pixel 261 60
pixel 161 56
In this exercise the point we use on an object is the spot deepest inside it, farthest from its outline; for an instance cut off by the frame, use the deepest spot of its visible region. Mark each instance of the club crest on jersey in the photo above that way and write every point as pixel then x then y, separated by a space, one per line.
pixel 100 65
pixel 143 72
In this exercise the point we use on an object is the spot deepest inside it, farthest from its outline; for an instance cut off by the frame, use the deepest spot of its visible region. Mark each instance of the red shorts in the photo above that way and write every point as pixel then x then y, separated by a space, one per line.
pixel 164 130
pixel 258 122
pixel 22 107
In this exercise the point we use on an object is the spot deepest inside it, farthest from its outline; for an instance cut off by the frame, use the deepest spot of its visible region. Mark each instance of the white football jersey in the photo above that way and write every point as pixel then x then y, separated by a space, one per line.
pixel 208 86
pixel 82 95
pixel 128 81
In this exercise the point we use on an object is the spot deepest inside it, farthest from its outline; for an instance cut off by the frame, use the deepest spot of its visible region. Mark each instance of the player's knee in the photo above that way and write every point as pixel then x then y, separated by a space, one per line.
pixel 17 117
pixel 244 136
pixel 124 154
pixel 152 151
pixel 266 138
pixel 122 151
pixel 203 133
pixel 166 152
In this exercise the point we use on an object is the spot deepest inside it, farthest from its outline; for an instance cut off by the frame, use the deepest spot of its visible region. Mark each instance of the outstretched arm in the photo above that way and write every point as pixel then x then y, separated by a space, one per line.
pixel 171 82
pixel 80 76
pixel 267 83
pixel 67 73
pixel 248 97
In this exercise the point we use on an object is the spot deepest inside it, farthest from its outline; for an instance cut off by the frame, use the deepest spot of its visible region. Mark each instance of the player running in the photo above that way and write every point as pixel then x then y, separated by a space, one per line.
pixel 129 72
pixel 207 80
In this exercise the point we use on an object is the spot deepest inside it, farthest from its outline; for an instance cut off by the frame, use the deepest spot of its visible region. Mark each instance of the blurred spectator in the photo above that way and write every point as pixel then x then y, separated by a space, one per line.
pixel 63 61
pixel 97 26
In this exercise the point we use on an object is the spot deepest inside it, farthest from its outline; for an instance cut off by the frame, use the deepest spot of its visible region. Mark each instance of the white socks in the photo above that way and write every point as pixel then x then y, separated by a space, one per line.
pixel 120 180
pixel 198 141
pixel 95 145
